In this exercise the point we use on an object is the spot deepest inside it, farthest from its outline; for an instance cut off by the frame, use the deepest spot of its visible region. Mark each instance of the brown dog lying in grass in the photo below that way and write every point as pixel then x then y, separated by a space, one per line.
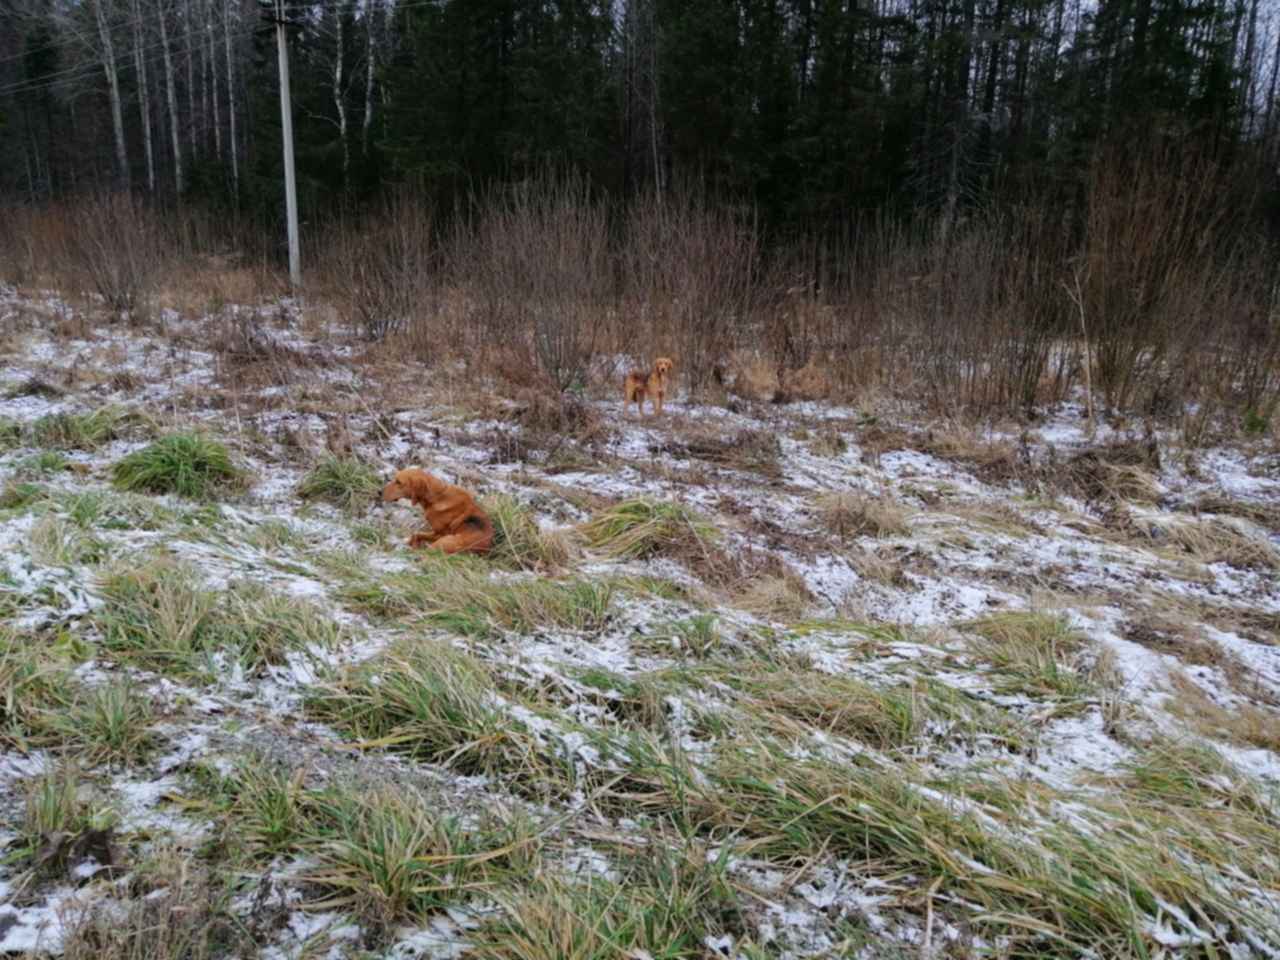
pixel 457 524
pixel 638 384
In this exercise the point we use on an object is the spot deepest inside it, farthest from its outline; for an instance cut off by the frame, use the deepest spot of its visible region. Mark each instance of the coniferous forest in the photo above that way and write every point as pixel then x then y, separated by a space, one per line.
pixel 810 112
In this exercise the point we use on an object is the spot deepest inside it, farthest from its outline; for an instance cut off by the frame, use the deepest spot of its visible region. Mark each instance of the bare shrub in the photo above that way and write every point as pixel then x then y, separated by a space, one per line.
pixel 536 260
pixel 980 317
pixel 17 245
pixel 117 246
pixel 690 280
pixel 383 271
pixel 1160 273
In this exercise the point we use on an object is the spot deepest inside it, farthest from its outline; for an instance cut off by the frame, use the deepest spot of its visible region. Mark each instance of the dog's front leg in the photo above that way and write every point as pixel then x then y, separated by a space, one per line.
pixel 423 538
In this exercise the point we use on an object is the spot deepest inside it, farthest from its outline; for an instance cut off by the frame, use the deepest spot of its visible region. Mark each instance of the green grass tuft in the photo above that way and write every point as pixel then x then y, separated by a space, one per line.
pixel 885 718
pixel 110 510
pixel 186 464
pixel 158 616
pixel 519 543
pixel 1035 653
pixel 430 701
pixel 108 724
pixel 461 595
pixel 82 431
pixel 56 542
pixel 636 529
pixel 33 687
pixel 389 858
pixel 346 482
pixel 57 813
pixel 383 854
pixel 42 465
pixel 20 495
pixel 10 434
pixel 665 903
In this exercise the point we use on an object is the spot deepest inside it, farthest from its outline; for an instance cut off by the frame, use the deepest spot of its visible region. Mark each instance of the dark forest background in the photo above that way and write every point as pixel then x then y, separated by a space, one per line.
pixel 807 111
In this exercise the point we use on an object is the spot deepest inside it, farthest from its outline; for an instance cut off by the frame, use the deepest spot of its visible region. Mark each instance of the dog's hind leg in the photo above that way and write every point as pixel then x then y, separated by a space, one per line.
pixel 466 541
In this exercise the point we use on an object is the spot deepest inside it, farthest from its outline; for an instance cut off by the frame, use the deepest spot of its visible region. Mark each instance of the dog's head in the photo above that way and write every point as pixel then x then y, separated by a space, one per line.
pixel 413 483
pixel 663 366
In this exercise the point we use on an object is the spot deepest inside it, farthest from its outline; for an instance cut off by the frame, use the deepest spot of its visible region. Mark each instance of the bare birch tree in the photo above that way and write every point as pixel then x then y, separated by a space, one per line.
pixel 107 54
pixel 339 98
pixel 370 16
pixel 232 142
pixel 172 96
pixel 212 59
pixel 144 95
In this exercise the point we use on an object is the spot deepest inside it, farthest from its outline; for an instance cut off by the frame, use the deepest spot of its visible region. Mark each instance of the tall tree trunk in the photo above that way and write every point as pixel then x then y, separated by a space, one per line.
pixel 371 12
pixel 232 143
pixel 172 96
pixel 641 125
pixel 651 29
pixel 108 51
pixel 199 39
pixel 144 96
pixel 993 72
pixel 1247 68
pixel 191 85
pixel 213 76
pixel 1267 128
pixel 340 101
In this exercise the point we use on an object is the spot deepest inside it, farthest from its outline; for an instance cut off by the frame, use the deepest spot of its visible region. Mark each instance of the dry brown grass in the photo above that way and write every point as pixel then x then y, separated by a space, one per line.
pixel 781 596
pixel 994 517
pixel 205 285
pixel 828 442
pixel 176 911
pixel 1181 638
pixel 1258 626
pixel 1266 515
pixel 848 514
pixel 991 460
pixel 882 567
pixel 750 375
pixel 1216 541
pixel 1123 470
pixel 750 450
pixel 1180 635
pixel 813 381
pixel 1244 724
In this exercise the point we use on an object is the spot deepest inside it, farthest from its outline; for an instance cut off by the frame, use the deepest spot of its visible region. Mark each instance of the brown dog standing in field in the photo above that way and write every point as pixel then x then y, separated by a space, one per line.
pixel 457 524
pixel 639 384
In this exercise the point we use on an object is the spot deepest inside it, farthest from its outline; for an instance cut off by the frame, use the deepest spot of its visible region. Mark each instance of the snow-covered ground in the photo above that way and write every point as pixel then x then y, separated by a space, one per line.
pixel 1158 618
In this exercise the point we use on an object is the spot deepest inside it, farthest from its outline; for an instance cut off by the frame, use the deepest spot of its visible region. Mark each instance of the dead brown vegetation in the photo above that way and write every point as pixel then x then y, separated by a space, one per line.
pixel 1265 515
pixel 995 315
pixel 756 451
pixel 847 514
pixel 1242 723
pixel 1122 470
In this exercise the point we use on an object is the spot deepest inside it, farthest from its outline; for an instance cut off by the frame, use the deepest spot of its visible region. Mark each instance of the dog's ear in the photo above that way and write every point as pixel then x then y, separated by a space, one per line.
pixel 421 485
pixel 432 485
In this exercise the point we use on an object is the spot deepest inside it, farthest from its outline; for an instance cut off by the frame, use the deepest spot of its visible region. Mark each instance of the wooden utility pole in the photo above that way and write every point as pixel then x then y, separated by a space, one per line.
pixel 286 129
